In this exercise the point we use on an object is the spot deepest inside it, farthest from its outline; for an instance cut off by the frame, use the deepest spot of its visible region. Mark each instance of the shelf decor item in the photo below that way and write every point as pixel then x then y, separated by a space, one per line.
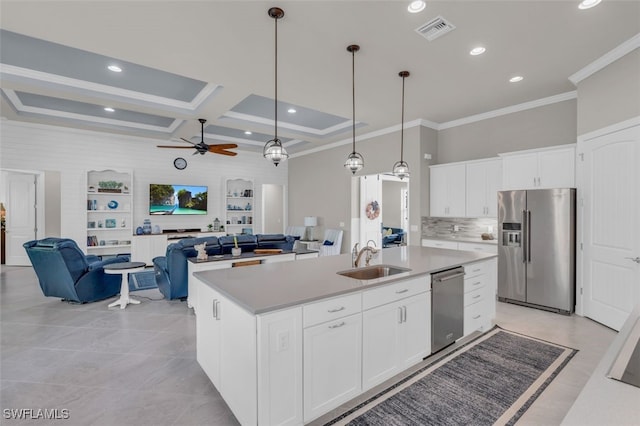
pixel 110 186
pixel 113 204
pixel 110 223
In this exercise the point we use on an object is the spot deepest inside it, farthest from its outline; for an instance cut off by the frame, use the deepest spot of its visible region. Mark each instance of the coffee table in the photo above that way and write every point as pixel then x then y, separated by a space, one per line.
pixel 124 269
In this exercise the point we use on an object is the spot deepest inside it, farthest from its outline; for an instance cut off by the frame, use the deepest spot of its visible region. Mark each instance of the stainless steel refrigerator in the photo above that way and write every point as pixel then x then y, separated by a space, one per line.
pixel 536 248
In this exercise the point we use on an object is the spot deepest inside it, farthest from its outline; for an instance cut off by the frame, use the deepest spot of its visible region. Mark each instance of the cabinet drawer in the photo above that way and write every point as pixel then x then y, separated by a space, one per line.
pixel 327 310
pixel 474 283
pixel 392 292
pixel 440 244
pixel 474 296
pixel 485 248
pixel 475 316
pixel 474 269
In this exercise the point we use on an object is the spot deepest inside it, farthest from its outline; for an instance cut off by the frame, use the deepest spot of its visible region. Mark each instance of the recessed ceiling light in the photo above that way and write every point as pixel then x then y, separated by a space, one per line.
pixel 109 109
pixel 247 132
pixel 291 111
pixel 516 79
pixel 416 6
pixel 477 51
pixel 114 68
pixel 588 4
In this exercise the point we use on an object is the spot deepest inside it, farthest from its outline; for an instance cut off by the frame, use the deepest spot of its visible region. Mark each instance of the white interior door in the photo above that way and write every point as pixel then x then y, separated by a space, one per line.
pixel 371 210
pixel 609 183
pixel 20 216
pixel 272 209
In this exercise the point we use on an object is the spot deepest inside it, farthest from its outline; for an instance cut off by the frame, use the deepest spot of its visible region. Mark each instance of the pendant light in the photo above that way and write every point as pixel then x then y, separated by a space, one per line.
pixel 354 162
pixel 401 168
pixel 273 149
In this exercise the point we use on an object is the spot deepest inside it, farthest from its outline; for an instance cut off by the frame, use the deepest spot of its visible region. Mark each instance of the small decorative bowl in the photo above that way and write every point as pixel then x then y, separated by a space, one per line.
pixel 113 204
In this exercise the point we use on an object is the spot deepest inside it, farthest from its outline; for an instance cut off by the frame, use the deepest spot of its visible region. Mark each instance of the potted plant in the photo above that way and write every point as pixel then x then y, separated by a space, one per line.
pixel 210 227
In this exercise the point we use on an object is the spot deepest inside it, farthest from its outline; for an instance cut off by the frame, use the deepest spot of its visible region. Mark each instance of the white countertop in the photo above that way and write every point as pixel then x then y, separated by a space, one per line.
pixel 273 286
pixel 604 401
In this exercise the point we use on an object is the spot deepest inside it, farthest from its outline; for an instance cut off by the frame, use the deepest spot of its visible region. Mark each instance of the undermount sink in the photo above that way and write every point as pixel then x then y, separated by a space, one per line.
pixel 373 272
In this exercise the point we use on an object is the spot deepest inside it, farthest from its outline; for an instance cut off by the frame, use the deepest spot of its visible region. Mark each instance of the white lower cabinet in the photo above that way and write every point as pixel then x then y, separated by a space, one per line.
pixel 395 336
pixel 332 364
pixel 479 296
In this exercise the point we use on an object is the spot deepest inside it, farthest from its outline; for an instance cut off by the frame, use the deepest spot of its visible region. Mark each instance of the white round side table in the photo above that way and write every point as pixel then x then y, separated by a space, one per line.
pixel 124 269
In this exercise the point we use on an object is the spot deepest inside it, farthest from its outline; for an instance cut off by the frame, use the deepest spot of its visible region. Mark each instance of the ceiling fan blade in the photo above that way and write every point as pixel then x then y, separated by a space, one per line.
pixel 173 146
pixel 188 141
pixel 224 152
pixel 223 146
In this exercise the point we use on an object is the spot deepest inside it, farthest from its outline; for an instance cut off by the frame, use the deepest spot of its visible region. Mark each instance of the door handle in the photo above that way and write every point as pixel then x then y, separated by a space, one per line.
pixel 634 259
pixel 529 235
pixel 525 237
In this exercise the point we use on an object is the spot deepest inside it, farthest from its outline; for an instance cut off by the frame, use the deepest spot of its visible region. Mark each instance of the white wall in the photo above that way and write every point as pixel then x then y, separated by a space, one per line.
pixel 72 152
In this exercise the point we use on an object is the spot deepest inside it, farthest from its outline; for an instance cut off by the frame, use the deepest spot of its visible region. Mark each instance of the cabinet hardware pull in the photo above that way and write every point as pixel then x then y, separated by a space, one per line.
pixel 477 296
pixel 399 314
pixel 477 282
pixel 402 291
pixel 477 270
pixel 477 316
pixel 337 325
pixel 213 308
pixel 341 308
pixel 404 310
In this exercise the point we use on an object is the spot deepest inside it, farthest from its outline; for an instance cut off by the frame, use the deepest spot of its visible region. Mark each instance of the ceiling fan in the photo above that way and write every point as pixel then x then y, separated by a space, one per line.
pixel 201 148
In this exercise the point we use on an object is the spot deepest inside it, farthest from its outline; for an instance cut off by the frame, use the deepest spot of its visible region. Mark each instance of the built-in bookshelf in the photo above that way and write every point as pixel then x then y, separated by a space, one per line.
pixel 109 211
pixel 239 206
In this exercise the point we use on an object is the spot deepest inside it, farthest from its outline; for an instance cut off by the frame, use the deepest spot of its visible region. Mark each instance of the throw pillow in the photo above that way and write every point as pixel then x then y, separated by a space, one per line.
pixel 388 232
pixel 327 243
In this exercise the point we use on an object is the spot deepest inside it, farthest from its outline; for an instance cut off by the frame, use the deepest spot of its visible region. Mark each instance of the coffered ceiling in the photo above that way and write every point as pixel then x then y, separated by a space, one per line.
pixel 182 60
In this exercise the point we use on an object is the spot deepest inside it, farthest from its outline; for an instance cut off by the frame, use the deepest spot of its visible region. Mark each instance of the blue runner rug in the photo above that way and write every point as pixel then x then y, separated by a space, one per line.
pixel 492 380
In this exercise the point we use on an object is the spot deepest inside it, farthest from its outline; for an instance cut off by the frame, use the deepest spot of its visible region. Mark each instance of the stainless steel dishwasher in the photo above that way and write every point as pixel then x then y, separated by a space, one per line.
pixel 447 307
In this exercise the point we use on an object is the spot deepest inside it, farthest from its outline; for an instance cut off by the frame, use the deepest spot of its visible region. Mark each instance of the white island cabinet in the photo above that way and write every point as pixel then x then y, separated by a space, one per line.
pixel 285 343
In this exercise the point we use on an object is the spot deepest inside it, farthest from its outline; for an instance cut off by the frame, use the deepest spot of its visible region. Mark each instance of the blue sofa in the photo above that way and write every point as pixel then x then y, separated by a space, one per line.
pixel 395 238
pixel 172 271
pixel 64 271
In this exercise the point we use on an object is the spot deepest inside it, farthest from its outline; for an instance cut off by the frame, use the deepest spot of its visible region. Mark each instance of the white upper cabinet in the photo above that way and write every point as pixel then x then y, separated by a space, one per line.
pixel 538 169
pixel 447 190
pixel 484 179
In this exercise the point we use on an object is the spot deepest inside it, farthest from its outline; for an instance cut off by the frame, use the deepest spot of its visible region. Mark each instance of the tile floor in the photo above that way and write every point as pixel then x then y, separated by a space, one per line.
pixel 137 366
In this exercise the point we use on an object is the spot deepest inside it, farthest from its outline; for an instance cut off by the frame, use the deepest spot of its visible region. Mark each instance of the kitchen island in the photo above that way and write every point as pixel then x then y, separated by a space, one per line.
pixel 287 342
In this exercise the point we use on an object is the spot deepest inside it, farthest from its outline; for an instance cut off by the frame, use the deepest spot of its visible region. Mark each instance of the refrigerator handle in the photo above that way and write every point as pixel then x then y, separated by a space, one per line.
pixel 529 236
pixel 525 237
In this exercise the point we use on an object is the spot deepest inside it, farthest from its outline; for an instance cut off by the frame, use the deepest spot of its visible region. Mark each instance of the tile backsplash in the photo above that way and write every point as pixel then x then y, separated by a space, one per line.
pixel 443 227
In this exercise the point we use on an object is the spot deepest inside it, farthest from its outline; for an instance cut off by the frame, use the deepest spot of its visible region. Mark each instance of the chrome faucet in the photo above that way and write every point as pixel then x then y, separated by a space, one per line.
pixel 366 249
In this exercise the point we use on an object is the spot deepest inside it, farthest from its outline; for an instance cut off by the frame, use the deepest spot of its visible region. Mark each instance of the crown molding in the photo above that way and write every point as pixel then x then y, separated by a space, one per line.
pixel 509 110
pixel 285 125
pixel 606 59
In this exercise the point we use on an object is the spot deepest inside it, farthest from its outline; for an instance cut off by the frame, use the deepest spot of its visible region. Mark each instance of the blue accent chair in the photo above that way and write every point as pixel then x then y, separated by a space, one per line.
pixel 276 241
pixel 245 242
pixel 172 271
pixel 64 271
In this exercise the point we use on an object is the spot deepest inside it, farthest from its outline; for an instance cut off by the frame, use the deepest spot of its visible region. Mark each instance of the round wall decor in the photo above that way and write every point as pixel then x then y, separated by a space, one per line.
pixel 372 210
pixel 180 163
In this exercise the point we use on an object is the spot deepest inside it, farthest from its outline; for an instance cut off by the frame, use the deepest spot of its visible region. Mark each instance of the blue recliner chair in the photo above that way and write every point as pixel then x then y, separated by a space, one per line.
pixel 65 271
pixel 275 241
pixel 172 270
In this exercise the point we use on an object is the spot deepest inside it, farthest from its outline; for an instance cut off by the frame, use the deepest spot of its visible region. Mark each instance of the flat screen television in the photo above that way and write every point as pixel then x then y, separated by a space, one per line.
pixel 177 199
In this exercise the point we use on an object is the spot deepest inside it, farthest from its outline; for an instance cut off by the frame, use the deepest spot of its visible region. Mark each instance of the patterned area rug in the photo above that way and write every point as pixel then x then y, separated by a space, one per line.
pixel 492 380
pixel 142 280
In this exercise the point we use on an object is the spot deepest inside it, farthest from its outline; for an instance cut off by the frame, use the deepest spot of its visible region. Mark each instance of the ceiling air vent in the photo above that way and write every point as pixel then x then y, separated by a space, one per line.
pixel 435 28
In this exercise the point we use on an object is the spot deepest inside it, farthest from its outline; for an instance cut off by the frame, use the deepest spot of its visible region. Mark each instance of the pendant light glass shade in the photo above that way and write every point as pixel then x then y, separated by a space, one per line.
pixel 355 161
pixel 401 168
pixel 273 149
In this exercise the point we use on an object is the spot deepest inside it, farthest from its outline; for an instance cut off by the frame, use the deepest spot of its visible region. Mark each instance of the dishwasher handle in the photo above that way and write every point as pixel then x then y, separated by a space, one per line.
pixel 441 277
